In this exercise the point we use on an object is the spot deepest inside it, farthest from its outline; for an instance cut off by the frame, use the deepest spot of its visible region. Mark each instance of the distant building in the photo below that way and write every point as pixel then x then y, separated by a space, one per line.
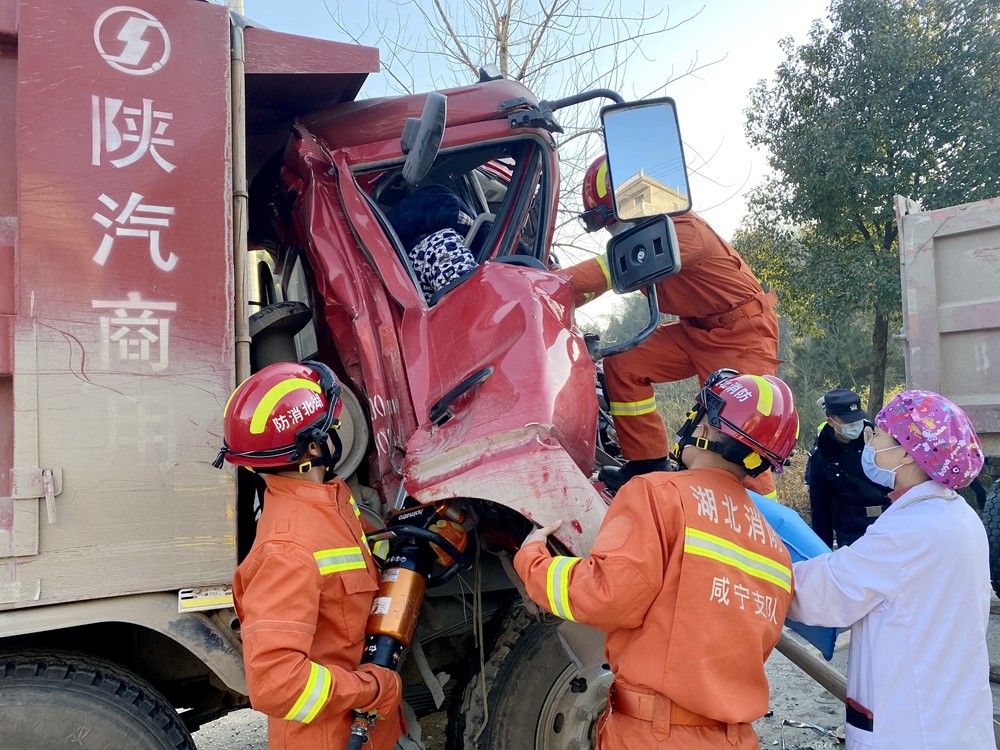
pixel 641 195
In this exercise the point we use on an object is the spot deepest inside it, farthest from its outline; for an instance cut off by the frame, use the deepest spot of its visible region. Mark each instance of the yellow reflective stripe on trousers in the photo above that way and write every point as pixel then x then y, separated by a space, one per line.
pixel 557 586
pixel 697 542
pixel 313 698
pixel 339 560
pixel 633 408
pixel 603 263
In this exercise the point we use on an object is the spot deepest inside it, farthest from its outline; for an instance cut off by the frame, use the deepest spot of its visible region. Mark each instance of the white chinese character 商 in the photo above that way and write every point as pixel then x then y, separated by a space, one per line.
pixel 138 333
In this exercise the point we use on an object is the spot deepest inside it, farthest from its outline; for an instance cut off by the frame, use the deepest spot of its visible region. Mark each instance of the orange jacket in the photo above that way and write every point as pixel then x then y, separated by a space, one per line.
pixel 713 277
pixel 303 595
pixel 690 584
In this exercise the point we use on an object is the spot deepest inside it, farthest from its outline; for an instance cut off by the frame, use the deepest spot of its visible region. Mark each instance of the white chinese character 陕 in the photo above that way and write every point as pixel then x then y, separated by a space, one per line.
pixel 116 128
pixel 135 330
pixel 135 214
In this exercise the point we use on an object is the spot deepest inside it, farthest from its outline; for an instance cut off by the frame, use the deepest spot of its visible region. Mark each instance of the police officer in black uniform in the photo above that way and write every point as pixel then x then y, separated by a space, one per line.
pixel 843 500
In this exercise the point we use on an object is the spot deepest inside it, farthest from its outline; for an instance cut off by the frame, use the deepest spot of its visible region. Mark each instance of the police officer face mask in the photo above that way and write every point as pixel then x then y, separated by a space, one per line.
pixel 851 430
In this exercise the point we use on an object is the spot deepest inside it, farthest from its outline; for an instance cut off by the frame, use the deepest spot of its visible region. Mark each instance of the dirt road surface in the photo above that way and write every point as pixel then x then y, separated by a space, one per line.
pixel 795 697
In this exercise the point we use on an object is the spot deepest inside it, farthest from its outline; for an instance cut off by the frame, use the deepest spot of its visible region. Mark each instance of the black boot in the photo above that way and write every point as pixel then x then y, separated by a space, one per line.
pixel 616 476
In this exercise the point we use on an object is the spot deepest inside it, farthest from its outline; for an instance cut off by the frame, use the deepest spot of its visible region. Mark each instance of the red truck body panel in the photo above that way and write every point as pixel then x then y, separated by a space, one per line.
pixel 116 283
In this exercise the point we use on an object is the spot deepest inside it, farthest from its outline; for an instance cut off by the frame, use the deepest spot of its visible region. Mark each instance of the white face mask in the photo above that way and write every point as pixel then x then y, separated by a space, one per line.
pixel 851 430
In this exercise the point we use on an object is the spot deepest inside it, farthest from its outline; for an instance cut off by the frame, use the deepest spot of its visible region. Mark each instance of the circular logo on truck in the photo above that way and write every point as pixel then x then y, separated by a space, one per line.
pixel 131 40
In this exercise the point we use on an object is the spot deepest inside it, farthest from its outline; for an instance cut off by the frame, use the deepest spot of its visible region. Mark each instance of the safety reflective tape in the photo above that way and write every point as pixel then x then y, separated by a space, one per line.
pixel 765 395
pixel 633 408
pixel 357 514
pixel 381 549
pixel 602 177
pixel 603 263
pixel 339 560
pixel 313 698
pixel 263 411
pixel 557 586
pixel 697 542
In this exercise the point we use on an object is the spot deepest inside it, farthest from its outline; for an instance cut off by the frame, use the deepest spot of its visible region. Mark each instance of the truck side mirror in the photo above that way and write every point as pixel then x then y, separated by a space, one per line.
pixel 645 159
pixel 422 138
pixel 644 254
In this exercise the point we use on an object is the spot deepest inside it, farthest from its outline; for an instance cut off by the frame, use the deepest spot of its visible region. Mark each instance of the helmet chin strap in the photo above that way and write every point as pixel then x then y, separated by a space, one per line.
pixel 328 459
pixel 730 450
pixel 685 436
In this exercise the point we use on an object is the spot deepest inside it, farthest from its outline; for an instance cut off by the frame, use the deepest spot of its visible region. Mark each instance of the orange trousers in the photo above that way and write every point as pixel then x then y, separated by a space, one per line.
pixel 675 351
pixel 619 732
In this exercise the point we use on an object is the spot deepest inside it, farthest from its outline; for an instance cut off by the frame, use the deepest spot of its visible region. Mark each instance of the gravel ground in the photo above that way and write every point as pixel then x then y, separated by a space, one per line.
pixel 795 697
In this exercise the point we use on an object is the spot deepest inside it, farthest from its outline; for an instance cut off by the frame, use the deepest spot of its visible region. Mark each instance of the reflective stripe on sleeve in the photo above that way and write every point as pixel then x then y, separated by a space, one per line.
pixel 697 542
pixel 633 408
pixel 557 586
pixel 603 263
pixel 313 697
pixel 357 514
pixel 339 560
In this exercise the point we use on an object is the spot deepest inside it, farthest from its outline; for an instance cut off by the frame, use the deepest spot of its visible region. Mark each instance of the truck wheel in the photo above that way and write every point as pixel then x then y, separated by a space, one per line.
pixel 991 519
pixel 52 699
pixel 537 698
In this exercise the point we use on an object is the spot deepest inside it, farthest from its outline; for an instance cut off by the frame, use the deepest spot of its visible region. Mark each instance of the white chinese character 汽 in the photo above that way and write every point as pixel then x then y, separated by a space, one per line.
pixel 135 214
pixel 135 330
pixel 131 132
pixel 706 503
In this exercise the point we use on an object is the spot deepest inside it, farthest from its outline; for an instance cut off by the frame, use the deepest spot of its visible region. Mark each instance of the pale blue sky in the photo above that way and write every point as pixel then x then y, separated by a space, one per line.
pixel 741 35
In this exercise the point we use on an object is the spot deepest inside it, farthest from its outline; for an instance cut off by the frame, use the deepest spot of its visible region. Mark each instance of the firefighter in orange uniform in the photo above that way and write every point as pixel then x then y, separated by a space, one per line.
pixel 687 580
pixel 304 591
pixel 725 320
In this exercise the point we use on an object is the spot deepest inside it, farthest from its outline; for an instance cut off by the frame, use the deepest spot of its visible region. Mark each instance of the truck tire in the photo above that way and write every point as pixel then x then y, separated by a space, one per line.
pixel 991 519
pixel 54 699
pixel 537 697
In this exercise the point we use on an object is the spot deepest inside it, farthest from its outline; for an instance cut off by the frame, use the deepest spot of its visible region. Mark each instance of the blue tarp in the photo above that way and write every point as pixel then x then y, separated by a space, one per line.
pixel 802 544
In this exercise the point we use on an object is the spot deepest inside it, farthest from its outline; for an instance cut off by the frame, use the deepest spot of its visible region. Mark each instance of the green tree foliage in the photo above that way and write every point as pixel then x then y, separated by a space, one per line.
pixel 887 97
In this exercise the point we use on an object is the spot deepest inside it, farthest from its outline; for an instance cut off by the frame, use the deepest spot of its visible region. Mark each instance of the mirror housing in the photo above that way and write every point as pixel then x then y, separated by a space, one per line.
pixel 646 166
pixel 421 139
pixel 644 254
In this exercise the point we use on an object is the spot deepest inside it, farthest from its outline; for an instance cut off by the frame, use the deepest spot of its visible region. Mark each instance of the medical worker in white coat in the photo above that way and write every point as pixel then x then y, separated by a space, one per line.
pixel 915 589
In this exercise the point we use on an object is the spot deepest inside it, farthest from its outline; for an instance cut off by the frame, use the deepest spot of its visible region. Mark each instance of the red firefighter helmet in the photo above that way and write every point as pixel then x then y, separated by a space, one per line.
pixel 274 415
pixel 598 206
pixel 756 411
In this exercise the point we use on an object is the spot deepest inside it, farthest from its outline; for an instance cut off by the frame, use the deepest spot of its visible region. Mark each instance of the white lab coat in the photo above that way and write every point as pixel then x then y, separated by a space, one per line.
pixel 915 590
